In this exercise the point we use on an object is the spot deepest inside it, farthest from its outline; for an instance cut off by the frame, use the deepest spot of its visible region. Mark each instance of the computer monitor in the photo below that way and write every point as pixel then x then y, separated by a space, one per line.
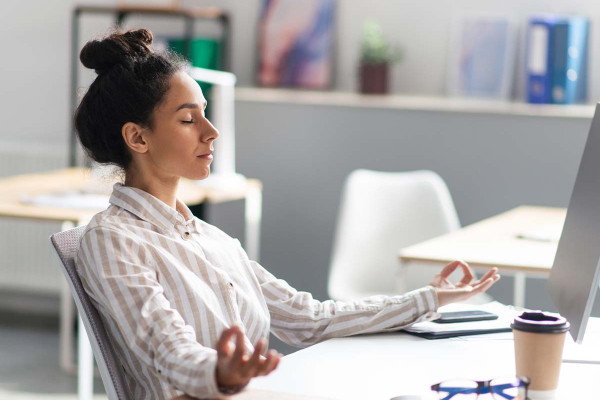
pixel 575 275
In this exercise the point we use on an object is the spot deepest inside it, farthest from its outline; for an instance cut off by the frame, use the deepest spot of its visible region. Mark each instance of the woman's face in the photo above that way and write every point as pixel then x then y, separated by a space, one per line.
pixel 180 142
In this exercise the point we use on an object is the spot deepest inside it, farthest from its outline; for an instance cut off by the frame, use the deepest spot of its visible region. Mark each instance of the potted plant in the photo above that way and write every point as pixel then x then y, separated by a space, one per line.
pixel 376 56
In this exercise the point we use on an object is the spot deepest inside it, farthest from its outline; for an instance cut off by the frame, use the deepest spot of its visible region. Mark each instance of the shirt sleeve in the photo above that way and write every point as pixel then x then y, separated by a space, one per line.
pixel 119 276
pixel 300 320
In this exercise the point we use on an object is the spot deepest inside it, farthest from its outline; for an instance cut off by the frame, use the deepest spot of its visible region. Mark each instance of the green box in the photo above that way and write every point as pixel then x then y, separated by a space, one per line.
pixel 204 53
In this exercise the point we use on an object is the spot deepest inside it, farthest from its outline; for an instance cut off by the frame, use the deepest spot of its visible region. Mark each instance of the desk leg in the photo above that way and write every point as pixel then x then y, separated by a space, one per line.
pixel 253 217
pixel 519 290
pixel 85 365
pixel 66 320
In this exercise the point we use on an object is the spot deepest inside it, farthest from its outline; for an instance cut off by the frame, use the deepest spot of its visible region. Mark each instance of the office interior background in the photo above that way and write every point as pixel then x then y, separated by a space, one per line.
pixel 300 145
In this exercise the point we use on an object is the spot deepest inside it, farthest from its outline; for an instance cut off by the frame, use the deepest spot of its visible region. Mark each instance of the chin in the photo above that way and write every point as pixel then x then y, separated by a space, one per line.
pixel 199 175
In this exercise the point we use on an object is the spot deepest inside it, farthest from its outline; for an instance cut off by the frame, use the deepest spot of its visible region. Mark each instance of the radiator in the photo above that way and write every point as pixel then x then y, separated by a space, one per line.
pixel 27 261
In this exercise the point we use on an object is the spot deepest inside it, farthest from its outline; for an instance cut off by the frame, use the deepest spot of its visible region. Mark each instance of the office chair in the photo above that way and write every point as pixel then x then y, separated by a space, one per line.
pixel 66 244
pixel 380 213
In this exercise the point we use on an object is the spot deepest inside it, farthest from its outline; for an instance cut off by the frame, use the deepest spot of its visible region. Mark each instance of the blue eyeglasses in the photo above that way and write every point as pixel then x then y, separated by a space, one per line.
pixel 500 388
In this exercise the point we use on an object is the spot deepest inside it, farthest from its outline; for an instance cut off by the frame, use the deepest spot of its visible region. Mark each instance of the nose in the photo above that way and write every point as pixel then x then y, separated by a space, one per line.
pixel 211 133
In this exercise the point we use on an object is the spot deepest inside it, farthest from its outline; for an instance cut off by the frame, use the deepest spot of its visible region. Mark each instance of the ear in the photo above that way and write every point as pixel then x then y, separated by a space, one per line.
pixel 134 137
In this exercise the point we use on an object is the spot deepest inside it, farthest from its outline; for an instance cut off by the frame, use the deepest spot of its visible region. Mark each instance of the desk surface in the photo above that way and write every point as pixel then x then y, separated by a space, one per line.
pixel 494 242
pixel 60 181
pixel 379 367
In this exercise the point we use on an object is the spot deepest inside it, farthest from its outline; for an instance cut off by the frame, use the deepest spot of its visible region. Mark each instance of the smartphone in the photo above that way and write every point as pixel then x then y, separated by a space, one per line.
pixel 465 316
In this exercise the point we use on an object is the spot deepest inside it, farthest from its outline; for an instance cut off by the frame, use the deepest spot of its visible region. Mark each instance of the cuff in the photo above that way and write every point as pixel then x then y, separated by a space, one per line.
pixel 203 383
pixel 426 299
pixel 211 385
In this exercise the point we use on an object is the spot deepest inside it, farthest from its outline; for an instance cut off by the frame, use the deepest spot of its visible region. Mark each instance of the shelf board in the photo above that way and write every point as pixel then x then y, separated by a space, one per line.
pixel 192 12
pixel 416 103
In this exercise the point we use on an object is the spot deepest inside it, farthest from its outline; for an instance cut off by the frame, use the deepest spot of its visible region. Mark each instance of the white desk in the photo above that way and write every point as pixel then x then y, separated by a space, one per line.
pixel 379 367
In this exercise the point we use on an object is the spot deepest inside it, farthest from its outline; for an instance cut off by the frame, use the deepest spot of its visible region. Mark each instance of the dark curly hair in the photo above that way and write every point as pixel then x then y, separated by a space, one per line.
pixel 132 81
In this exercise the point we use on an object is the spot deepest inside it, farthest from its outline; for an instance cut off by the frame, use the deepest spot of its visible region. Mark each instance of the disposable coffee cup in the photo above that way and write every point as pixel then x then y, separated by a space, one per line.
pixel 539 341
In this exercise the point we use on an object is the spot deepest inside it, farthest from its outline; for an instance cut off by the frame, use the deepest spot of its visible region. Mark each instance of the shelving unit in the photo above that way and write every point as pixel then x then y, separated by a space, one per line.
pixel 412 103
pixel 189 15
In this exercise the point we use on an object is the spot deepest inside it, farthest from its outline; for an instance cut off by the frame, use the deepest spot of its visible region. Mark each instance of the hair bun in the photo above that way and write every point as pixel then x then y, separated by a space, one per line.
pixel 117 48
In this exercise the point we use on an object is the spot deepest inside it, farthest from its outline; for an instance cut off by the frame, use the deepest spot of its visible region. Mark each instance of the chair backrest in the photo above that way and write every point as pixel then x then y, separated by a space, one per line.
pixel 66 244
pixel 380 213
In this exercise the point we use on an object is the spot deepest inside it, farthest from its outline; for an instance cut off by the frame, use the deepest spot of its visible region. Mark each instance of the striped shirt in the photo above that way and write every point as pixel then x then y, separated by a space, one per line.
pixel 166 284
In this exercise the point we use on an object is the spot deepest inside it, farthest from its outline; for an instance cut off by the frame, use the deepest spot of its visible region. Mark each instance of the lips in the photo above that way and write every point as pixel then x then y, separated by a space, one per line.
pixel 207 156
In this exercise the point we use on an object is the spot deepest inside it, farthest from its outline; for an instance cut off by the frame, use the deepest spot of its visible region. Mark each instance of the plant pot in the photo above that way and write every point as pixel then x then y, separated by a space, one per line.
pixel 374 78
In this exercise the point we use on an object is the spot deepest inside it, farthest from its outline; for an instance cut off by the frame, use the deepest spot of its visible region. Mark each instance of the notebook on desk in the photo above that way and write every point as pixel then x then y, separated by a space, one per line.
pixel 434 334
pixel 433 330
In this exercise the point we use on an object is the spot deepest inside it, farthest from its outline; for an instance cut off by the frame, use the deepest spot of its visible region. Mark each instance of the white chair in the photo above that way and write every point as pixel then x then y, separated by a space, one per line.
pixel 66 244
pixel 380 213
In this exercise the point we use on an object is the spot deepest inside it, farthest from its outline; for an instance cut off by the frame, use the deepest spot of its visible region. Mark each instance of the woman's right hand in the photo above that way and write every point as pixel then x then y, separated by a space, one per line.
pixel 448 292
pixel 234 367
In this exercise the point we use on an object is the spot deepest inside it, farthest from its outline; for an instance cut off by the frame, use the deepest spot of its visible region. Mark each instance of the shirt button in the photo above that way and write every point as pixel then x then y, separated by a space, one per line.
pixel 186 235
pixel 230 284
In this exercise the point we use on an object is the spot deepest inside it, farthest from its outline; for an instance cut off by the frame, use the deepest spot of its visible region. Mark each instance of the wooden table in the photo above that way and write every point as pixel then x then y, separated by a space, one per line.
pixel 495 242
pixel 14 189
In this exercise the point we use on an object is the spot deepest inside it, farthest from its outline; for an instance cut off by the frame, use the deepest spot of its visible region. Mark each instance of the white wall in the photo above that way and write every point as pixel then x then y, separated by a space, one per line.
pixel 34 71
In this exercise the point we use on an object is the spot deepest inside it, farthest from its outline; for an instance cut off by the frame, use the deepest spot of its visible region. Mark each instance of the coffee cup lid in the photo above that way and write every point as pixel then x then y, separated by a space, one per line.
pixel 540 322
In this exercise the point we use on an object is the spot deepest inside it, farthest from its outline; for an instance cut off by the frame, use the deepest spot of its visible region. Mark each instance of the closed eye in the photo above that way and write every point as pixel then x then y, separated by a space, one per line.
pixel 191 121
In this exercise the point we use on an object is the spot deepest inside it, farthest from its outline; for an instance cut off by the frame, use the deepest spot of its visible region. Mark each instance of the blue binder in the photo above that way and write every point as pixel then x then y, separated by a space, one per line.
pixel 558 65
pixel 577 61
pixel 540 55
pixel 557 59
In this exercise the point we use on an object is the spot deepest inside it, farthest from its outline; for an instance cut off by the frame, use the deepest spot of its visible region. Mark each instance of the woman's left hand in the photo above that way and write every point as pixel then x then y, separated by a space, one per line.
pixel 465 288
pixel 234 367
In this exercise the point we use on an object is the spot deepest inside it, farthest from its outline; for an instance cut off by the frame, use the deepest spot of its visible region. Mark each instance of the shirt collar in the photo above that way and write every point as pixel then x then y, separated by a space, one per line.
pixel 149 208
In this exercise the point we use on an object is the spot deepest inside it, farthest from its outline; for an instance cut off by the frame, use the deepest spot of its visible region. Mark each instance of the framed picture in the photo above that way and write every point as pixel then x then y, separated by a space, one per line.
pixel 296 43
pixel 481 56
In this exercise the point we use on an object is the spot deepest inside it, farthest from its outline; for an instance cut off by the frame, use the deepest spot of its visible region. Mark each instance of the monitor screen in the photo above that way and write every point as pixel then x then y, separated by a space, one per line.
pixel 575 274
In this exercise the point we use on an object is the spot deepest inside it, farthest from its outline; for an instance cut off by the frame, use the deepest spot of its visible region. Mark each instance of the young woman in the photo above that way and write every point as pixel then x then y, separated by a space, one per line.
pixel 186 310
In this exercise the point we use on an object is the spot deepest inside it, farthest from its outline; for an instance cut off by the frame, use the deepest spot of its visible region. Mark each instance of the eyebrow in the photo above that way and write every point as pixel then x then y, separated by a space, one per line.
pixel 191 105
